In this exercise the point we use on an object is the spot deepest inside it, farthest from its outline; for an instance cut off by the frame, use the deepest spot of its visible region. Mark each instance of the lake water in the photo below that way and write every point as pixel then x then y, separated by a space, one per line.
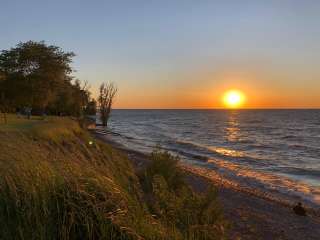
pixel 278 150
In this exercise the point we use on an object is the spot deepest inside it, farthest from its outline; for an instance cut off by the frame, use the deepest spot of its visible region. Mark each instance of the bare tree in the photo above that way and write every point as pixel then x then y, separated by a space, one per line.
pixel 106 97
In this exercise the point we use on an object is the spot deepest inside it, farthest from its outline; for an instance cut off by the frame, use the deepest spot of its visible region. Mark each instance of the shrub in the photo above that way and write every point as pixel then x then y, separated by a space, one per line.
pixel 189 214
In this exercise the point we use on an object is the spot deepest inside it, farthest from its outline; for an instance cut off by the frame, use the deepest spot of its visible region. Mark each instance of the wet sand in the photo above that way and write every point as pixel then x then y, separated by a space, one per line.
pixel 252 215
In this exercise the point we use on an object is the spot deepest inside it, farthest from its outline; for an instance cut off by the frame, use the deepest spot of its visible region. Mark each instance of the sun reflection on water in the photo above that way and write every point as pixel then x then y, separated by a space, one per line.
pixel 229 152
pixel 232 129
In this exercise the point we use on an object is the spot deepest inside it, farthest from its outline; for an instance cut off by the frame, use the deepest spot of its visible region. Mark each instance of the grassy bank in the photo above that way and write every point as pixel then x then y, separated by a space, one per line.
pixel 59 183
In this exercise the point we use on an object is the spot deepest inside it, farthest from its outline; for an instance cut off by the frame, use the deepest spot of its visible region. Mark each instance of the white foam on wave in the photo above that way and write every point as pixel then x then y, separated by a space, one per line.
pixel 260 183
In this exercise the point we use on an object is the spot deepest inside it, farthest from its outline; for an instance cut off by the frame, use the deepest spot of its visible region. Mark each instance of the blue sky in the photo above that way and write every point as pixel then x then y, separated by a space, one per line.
pixel 175 54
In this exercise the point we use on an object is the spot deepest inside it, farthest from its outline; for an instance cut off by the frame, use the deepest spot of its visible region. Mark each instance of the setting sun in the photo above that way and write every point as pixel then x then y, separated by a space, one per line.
pixel 233 99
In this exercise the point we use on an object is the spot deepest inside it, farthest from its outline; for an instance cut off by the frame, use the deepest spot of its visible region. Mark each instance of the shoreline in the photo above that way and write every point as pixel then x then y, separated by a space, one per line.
pixel 252 215
pixel 269 186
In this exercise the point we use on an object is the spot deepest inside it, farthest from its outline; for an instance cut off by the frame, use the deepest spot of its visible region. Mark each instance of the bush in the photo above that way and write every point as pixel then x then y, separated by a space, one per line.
pixel 190 215
pixel 165 165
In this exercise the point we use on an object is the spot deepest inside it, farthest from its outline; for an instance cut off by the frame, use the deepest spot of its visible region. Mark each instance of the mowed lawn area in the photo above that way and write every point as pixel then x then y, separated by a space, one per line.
pixel 50 127
pixel 15 123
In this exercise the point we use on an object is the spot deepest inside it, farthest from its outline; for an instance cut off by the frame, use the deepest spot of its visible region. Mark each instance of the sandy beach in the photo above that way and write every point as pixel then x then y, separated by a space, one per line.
pixel 251 215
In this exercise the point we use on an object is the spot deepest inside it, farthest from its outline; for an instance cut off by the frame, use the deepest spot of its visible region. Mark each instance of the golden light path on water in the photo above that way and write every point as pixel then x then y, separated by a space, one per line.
pixel 233 130
pixel 277 185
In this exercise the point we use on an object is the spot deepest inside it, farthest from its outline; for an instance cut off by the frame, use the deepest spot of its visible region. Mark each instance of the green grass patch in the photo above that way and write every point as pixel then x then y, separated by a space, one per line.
pixel 15 123
pixel 51 128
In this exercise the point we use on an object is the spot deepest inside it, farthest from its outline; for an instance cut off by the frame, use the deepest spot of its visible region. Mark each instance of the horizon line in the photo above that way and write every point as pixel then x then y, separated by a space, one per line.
pixel 316 108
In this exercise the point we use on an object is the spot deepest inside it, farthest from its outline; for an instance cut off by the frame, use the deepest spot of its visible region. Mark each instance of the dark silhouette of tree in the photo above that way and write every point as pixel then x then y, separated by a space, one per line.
pixel 33 72
pixel 3 100
pixel 38 76
pixel 81 97
pixel 91 108
pixel 106 97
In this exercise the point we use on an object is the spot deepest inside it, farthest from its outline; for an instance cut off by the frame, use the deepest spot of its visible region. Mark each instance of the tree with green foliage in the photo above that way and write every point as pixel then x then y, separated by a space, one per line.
pixel 81 97
pixel 34 71
pixel 38 76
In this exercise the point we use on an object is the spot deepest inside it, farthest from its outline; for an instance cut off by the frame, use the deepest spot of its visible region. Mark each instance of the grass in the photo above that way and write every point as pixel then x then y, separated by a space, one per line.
pixel 15 123
pixel 55 185
pixel 193 215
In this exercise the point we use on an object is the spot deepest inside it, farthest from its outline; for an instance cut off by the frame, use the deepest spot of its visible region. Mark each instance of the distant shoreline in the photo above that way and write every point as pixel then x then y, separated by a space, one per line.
pixel 245 209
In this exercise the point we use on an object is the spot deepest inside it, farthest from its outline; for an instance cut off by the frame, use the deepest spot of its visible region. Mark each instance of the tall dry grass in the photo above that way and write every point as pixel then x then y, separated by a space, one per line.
pixel 55 185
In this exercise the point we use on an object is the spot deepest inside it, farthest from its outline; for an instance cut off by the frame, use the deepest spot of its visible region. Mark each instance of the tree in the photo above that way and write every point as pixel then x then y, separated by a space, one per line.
pixel 91 108
pixel 33 72
pixel 72 98
pixel 3 100
pixel 106 97
pixel 37 75
pixel 81 97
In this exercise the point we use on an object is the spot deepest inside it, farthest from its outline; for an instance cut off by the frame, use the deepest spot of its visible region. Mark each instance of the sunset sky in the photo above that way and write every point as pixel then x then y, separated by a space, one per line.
pixel 182 54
